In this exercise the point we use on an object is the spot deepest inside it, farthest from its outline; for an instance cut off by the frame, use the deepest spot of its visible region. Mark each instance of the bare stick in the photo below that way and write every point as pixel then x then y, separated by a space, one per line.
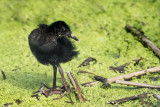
pixel 127 98
pixel 98 78
pixel 89 84
pixel 127 76
pixel 76 86
pixel 137 84
pixel 4 76
pixel 140 34
pixel 135 74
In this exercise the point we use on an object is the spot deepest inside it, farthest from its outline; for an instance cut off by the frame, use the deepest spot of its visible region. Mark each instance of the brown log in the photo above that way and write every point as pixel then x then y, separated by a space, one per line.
pixel 140 34
pixel 135 74
pixel 76 86
pixel 137 84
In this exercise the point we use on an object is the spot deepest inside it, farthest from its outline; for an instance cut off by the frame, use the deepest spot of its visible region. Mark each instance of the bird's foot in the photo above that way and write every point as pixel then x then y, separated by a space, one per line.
pixel 50 91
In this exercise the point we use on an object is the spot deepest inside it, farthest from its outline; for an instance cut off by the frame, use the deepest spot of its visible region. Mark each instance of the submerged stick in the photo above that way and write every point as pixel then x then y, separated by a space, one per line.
pixel 4 76
pixel 127 99
pixel 134 74
pixel 140 34
pixel 76 86
pixel 137 84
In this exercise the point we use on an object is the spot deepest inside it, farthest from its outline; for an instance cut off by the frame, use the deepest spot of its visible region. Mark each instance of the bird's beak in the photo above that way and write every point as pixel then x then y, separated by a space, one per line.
pixel 73 37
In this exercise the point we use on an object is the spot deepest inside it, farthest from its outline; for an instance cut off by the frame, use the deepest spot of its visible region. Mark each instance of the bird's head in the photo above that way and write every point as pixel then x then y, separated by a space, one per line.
pixel 62 29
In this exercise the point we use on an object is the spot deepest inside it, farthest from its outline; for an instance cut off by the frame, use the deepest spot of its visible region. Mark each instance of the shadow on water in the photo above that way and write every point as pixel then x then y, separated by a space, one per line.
pixel 31 79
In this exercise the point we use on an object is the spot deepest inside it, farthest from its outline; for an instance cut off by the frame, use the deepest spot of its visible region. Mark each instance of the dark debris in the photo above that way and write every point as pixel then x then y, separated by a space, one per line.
pixel 103 80
pixel 8 104
pixel 4 76
pixel 18 101
pixel 36 95
pixel 154 78
pixel 120 69
pixel 87 61
pixel 137 61
pixel 16 69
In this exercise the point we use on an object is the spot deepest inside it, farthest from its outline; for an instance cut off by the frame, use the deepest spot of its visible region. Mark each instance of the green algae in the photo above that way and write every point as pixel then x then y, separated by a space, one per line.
pixel 99 25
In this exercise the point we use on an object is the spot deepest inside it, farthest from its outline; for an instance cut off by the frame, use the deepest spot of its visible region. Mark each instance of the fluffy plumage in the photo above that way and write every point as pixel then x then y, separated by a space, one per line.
pixel 50 44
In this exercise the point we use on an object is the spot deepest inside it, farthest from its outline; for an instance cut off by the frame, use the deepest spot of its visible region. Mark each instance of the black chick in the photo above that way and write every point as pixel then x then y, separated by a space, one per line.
pixel 50 45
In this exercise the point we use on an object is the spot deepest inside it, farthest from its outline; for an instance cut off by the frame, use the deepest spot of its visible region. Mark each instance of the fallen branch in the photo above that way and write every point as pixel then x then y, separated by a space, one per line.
pixel 76 86
pixel 140 34
pixel 135 74
pixel 90 83
pixel 4 76
pixel 137 84
pixel 127 76
pixel 127 98
pixel 98 78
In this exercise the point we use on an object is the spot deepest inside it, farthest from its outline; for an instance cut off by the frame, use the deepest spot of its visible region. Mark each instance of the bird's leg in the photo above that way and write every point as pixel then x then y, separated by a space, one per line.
pixel 54 78
pixel 66 85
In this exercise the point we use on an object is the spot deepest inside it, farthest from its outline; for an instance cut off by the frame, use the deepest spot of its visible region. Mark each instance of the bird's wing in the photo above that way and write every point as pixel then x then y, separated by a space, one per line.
pixel 38 42
pixel 48 47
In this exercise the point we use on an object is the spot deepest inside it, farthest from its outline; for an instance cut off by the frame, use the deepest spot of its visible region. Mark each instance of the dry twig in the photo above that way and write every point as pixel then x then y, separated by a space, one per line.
pixel 135 74
pixel 90 84
pixel 76 86
pixel 98 78
pixel 127 76
pixel 137 84
pixel 142 37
